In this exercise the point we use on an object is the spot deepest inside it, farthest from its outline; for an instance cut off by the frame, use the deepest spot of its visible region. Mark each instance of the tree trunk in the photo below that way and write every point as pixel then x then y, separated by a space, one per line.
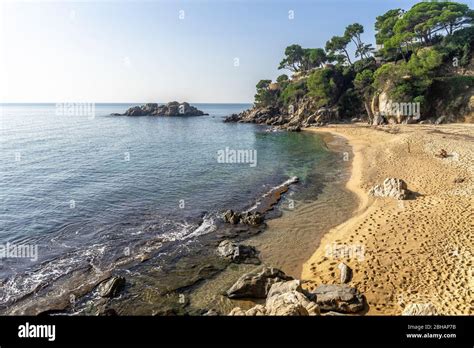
pixel 347 55
pixel 368 109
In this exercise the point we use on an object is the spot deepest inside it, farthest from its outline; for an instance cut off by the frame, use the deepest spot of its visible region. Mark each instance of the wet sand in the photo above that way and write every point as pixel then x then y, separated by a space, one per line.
pixel 292 238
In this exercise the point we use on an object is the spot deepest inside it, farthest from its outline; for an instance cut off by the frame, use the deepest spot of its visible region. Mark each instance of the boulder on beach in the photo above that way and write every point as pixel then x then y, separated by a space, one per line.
pixel 283 299
pixel 257 283
pixel 339 298
pixel 238 253
pixel 287 298
pixel 291 303
pixel 391 187
pixel 171 109
pixel 254 311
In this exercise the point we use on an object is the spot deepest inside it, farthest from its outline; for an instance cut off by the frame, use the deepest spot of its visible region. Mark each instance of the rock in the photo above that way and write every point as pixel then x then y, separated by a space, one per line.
pixel 420 309
pixel 211 313
pixel 339 298
pixel 238 253
pixel 378 120
pixel 391 187
pixel 440 119
pixel 333 314
pixel 346 272
pixel 257 283
pixel 254 311
pixel 237 311
pixel 171 109
pixel 287 304
pixel 232 118
pixel 134 111
pixel 231 217
pixel 283 299
pixel 294 129
pixel 107 312
pixel 257 310
pixel 458 180
pixel 292 302
pixel 442 153
pixel 282 287
pixel 111 287
pixel 252 218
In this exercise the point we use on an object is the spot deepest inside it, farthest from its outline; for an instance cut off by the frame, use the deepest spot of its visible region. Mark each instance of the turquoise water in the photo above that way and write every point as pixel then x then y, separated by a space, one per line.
pixel 82 188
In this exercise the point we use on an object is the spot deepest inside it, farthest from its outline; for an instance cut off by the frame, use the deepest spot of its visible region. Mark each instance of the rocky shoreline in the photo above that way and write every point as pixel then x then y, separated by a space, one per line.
pixel 167 284
pixel 171 109
pixel 281 119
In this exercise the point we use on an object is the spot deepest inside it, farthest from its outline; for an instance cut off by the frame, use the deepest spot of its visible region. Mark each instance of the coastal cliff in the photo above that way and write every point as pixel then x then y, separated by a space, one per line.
pixel 412 76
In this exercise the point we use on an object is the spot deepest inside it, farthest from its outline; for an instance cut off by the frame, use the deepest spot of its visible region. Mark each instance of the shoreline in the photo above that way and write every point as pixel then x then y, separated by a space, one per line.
pixel 406 257
pixel 291 238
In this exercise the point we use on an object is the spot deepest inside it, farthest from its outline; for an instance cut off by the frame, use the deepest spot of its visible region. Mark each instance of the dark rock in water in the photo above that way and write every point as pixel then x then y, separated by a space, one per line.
pixel 248 218
pixel 257 283
pixel 339 298
pixel 111 287
pixel 252 218
pixel 171 109
pixel 232 118
pixel 294 129
pixel 238 253
pixel 231 217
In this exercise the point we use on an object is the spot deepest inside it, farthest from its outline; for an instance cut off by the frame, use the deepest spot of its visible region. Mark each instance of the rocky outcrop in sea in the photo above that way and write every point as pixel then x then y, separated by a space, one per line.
pixel 171 109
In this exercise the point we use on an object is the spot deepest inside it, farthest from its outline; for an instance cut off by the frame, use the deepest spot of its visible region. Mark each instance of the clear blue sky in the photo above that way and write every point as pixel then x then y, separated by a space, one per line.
pixel 142 51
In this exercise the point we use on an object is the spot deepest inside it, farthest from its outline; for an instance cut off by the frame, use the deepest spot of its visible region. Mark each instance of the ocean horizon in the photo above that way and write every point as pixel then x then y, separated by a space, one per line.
pixel 88 190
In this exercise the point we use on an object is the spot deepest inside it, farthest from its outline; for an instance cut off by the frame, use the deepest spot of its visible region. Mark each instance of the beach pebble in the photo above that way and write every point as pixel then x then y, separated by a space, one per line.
pixel 346 272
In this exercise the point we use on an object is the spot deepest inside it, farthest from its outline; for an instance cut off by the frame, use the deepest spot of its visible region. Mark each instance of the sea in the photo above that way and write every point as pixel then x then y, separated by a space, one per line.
pixel 81 190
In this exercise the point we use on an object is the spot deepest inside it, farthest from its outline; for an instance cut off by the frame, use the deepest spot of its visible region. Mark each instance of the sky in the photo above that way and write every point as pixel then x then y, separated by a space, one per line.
pixel 211 51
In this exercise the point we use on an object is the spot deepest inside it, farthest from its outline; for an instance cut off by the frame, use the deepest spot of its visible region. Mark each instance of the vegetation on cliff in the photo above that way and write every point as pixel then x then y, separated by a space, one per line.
pixel 419 51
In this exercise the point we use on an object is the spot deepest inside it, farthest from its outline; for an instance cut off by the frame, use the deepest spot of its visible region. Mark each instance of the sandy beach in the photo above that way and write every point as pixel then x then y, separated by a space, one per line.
pixel 401 252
